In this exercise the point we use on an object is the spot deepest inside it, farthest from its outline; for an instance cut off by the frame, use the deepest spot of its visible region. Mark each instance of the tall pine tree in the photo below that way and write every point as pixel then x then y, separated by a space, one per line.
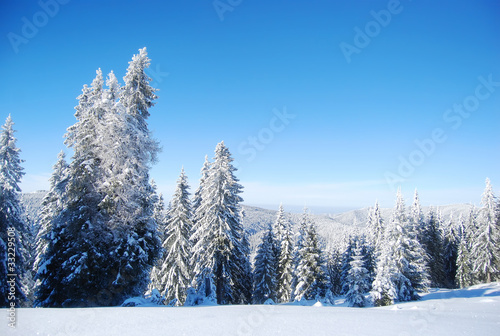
pixel 485 245
pixel 450 250
pixel 246 283
pixel 401 266
pixel 464 276
pixel 432 242
pixel 161 218
pixel 279 229
pixel 416 218
pixel 198 214
pixel 52 205
pixel 387 284
pixel 265 283
pixel 13 229
pixel 130 197
pixel 174 271
pixel 334 267
pixel 346 263
pixel 311 280
pixel 358 279
pixel 285 260
pixel 218 252
pixel 105 235
pixel 73 271
pixel 375 227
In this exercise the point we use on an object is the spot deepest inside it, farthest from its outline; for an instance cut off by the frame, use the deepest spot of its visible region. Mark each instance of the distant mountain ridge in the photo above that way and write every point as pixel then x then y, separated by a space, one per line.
pixel 331 228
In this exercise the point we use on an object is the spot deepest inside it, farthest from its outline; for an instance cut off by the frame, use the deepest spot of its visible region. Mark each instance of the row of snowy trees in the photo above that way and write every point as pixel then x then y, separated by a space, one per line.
pixel 392 261
pixel 205 246
pixel 284 269
pixel 411 253
pixel 475 243
pixel 401 267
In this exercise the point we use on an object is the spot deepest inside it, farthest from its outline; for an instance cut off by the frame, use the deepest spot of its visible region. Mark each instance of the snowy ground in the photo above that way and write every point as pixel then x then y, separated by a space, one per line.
pixel 472 311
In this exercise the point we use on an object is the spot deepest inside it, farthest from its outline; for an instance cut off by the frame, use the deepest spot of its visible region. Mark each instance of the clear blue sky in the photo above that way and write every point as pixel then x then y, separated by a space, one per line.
pixel 353 122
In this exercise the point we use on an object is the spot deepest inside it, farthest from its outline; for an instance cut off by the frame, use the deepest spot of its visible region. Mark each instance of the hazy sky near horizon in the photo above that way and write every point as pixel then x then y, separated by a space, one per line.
pixel 322 103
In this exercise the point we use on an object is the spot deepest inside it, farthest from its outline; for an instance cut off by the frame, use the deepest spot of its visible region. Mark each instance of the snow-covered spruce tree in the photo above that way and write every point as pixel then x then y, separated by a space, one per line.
pixel 311 280
pixel 128 152
pixel 410 255
pixel 464 276
pixel 161 218
pixel 390 283
pixel 299 238
pixel 402 261
pixel 12 226
pixel 74 269
pixel 114 91
pixel 432 242
pixel 450 250
pixel 333 269
pixel 199 191
pixel 375 227
pixel 346 263
pixel 387 283
pixel 160 214
pixel 137 95
pixel 241 269
pixel 417 219
pixel 174 270
pixel 105 235
pixel 29 245
pixel 202 283
pixel 279 228
pixel 285 263
pixel 265 283
pixel 358 279
pixel 246 284
pixel 218 253
pixel 485 242
pixel 441 233
pixel 369 256
pixel 52 205
pixel 198 215
pixel 464 267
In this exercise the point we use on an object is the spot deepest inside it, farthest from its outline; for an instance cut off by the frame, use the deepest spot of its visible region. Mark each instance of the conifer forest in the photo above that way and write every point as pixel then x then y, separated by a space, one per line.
pixel 104 235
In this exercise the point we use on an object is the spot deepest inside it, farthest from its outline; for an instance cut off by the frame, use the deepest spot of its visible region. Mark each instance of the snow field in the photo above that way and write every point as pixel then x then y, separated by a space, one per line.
pixel 471 311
